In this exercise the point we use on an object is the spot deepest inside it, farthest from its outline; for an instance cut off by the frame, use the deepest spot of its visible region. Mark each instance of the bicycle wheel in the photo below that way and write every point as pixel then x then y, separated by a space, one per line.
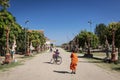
pixel 59 60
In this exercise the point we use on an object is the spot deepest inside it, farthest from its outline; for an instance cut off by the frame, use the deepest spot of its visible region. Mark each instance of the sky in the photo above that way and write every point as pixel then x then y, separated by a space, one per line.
pixel 62 20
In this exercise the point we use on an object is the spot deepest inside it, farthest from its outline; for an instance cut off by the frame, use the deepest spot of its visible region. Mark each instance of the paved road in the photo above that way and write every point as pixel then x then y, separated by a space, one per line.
pixel 39 68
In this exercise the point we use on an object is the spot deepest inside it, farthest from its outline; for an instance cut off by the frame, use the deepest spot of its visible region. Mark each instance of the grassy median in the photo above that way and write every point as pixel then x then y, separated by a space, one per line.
pixel 98 60
pixel 6 67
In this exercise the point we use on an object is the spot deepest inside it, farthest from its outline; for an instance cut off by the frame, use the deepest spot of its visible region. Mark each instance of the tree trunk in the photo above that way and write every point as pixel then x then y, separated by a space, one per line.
pixel 113 55
pixel 88 55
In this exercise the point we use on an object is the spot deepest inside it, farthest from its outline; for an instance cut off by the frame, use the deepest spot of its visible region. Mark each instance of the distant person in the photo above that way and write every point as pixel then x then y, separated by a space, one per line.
pixel 74 61
pixel 51 49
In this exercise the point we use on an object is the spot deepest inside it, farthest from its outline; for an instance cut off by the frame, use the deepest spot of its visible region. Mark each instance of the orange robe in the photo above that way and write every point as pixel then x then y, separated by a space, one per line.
pixel 74 61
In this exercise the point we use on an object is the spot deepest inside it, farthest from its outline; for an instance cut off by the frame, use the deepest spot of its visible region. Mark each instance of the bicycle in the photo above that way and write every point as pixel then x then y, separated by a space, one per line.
pixel 57 60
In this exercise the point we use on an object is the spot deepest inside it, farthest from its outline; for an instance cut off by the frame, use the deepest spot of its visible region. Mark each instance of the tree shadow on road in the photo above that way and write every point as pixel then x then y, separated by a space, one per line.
pixel 91 60
pixel 116 68
pixel 63 72
pixel 81 57
pixel 97 58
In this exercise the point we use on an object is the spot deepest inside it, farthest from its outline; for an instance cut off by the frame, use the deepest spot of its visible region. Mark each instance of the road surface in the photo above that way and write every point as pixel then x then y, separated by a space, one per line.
pixel 39 68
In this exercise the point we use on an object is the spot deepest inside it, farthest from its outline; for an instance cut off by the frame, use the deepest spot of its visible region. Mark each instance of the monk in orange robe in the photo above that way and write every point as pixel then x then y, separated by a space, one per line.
pixel 74 61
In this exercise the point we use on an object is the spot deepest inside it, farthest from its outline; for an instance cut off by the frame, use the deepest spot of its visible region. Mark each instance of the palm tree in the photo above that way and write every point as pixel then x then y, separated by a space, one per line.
pixel 87 39
pixel 7 21
pixel 113 28
pixel 4 4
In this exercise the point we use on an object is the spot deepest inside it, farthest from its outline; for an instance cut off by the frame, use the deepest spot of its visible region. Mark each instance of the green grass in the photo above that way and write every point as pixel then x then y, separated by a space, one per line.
pixel 98 60
pixel 6 67
pixel 110 66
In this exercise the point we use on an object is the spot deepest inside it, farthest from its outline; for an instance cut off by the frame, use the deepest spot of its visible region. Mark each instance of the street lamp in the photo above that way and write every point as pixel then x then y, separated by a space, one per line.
pixel 90 22
pixel 26 42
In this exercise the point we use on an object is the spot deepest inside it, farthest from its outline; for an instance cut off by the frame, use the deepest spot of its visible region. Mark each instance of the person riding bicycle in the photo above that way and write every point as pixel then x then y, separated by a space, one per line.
pixel 56 58
pixel 56 54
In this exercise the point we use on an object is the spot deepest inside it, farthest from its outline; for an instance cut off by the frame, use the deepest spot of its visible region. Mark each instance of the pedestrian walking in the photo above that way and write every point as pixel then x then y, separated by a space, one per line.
pixel 74 61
